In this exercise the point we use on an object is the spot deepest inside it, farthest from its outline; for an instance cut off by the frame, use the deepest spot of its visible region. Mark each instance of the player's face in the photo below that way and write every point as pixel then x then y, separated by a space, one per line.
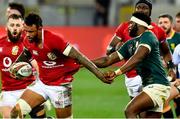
pixel 133 28
pixel 165 24
pixel 10 11
pixel 14 29
pixel 177 24
pixel 31 33
pixel 142 8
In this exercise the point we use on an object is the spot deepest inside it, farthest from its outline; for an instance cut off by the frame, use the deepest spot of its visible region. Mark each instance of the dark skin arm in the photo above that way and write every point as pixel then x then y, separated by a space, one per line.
pixel 167 57
pixel 114 45
pixel 75 54
pixel 140 54
pixel 107 60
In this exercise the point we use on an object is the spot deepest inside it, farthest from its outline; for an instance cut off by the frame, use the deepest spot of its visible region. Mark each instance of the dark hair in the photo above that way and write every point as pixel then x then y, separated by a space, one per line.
pixel 17 6
pixel 15 16
pixel 147 2
pixel 142 17
pixel 178 14
pixel 166 16
pixel 33 18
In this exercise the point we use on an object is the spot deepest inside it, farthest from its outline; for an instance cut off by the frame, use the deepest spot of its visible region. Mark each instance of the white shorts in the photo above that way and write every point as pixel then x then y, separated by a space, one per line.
pixel 134 85
pixel 60 96
pixel 159 94
pixel 9 98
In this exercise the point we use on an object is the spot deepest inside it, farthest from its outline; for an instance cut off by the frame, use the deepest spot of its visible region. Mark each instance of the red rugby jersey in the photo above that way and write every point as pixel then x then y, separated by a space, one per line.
pixel 54 67
pixel 8 54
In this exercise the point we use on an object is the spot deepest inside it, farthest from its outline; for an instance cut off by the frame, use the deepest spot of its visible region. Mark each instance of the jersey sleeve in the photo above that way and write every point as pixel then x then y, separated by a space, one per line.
pixel 59 43
pixel 176 55
pixel 123 51
pixel 119 31
pixel 159 32
pixel 147 40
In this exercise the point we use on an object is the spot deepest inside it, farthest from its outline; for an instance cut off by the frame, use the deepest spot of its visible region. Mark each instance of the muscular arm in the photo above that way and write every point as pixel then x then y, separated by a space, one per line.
pixel 166 51
pixel 24 56
pixel 168 59
pixel 75 54
pixel 107 60
pixel 114 45
pixel 140 54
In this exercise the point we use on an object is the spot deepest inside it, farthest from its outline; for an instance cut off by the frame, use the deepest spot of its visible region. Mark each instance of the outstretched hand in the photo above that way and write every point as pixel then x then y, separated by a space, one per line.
pixel 109 75
pixel 102 77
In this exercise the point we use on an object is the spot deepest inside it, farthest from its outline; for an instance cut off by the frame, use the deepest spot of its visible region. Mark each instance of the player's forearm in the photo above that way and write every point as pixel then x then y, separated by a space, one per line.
pixel 73 53
pixel 112 45
pixel 129 65
pixel 24 56
pixel 101 62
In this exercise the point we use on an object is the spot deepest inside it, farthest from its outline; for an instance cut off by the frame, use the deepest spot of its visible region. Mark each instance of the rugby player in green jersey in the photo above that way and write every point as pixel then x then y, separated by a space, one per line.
pixel 143 54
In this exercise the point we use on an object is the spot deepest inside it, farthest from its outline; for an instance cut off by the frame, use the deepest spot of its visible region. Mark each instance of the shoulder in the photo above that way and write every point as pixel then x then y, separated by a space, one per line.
pixel 3 38
pixel 157 28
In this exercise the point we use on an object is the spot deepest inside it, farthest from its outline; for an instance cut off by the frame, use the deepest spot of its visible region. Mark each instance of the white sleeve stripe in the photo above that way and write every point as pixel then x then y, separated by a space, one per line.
pixel 146 45
pixel 120 56
pixel 119 38
pixel 67 50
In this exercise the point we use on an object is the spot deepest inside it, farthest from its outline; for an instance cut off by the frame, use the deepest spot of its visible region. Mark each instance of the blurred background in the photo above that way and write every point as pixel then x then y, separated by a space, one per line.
pixel 82 12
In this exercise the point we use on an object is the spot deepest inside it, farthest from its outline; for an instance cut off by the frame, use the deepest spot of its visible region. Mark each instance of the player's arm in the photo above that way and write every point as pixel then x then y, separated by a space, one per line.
pixel 114 45
pixel 140 54
pixel 75 54
pixel 168 59
pixel 107 60
pixel 25 56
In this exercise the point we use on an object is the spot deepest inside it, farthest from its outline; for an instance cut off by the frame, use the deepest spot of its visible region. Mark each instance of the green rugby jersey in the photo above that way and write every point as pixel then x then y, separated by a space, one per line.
pixel 150 69
pixel 173 40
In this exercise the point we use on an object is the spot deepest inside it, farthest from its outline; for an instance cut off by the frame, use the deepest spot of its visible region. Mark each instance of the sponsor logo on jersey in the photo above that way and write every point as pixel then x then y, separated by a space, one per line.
pixel 51 56
pixel 35 52
pixel 15 50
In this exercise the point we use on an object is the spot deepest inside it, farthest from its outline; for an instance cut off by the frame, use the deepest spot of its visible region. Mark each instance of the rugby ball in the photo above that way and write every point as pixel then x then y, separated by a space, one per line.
pixel 21 69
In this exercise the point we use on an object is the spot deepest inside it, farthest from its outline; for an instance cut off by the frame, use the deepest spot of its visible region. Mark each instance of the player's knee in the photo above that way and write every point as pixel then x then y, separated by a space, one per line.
pixel 21 108
pixel 129 111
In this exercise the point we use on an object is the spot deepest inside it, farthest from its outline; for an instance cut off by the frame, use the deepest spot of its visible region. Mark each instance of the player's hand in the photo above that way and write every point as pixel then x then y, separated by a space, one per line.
pixel 102 77
pixel 110 75
pixel 171 73
pixel 176 83
pixel 13 72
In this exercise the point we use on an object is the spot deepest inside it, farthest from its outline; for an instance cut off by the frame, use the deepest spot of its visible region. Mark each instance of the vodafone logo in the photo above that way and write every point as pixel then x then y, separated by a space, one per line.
pixel 49 63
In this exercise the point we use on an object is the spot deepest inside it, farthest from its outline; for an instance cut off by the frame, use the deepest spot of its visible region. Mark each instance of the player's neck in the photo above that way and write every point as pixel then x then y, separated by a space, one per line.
pixel 170 34
pixel 40 37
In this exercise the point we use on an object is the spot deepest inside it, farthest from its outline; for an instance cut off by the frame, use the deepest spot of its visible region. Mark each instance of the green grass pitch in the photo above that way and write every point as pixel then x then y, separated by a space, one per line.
pixel 95 99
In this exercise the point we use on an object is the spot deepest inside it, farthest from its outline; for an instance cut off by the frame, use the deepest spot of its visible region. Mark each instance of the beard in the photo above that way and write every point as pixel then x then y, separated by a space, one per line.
pixel 133 31
pixel 12 38
pixel 34 39
pixel 168 31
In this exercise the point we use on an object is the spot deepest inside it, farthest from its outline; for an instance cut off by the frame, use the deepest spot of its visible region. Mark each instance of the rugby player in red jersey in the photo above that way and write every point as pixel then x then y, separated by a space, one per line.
pixel 57 61
pixel 17 9
pixel 11 45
